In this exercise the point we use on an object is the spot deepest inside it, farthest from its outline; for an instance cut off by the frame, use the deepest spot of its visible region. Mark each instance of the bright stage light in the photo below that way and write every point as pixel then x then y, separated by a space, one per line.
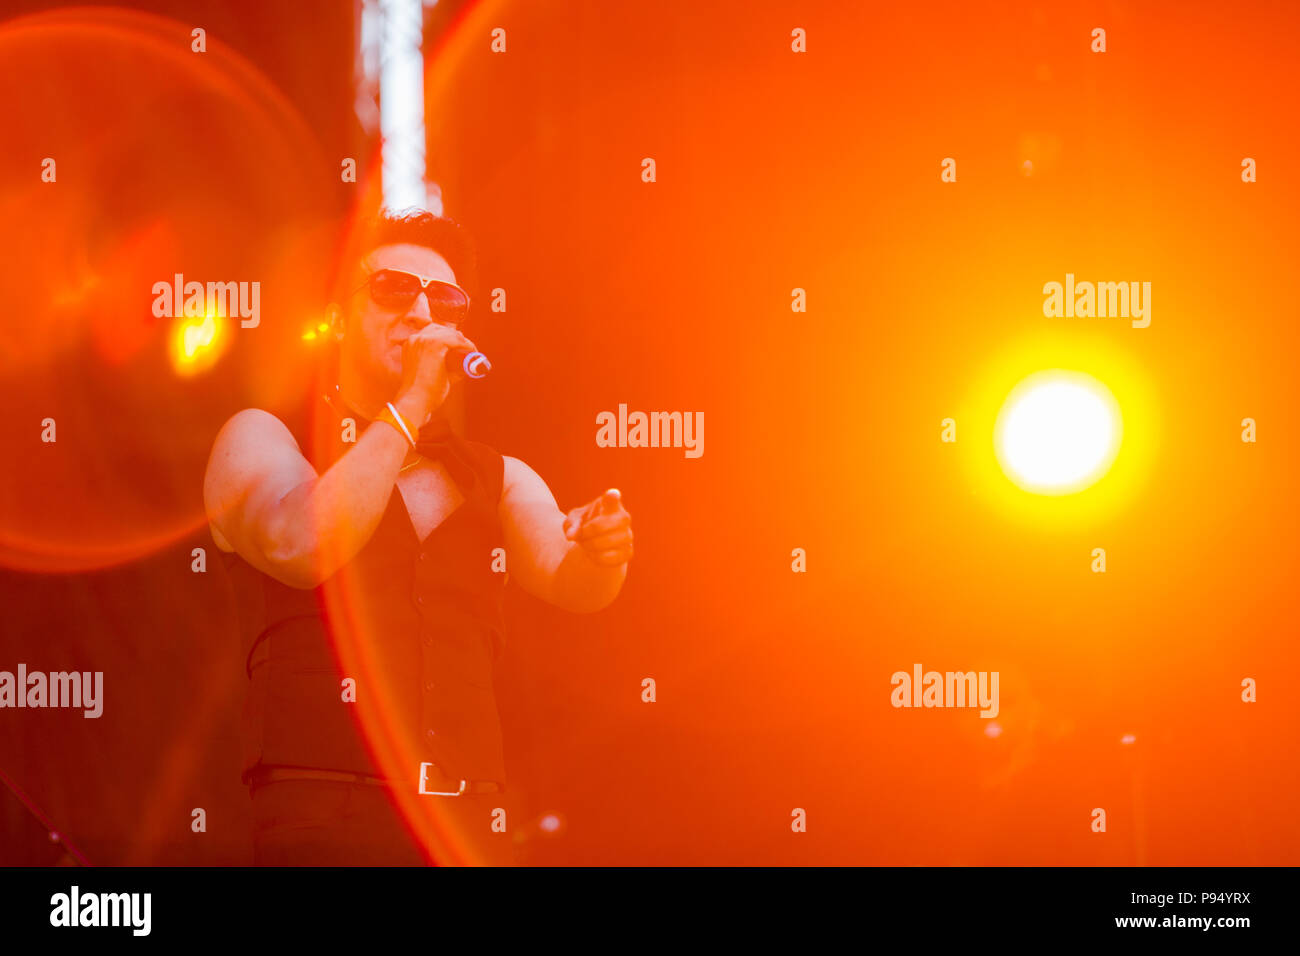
pixel 1057 433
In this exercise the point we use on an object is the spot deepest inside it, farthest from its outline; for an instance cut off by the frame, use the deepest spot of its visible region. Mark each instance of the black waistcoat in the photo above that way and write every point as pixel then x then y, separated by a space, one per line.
pixel 428 615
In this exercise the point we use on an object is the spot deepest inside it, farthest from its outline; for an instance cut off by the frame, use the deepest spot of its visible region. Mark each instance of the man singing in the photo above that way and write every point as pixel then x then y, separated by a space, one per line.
pixel 410 581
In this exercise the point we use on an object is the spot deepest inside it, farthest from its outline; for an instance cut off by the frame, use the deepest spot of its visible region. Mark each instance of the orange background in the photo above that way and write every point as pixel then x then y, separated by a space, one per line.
pixel 821 171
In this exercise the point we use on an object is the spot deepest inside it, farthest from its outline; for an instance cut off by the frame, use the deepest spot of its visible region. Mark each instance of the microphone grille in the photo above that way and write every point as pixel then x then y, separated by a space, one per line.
pixel 476 365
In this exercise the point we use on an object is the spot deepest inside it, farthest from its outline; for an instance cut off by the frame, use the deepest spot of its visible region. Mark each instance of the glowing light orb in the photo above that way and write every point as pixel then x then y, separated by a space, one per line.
pixel 1058 432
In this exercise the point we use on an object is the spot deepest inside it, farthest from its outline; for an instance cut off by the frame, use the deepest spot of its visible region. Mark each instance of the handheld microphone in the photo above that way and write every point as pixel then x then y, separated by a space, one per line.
pixel 463 364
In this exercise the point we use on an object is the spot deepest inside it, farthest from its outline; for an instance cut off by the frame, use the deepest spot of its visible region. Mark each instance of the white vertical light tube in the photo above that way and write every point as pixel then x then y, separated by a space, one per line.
pixel 401 107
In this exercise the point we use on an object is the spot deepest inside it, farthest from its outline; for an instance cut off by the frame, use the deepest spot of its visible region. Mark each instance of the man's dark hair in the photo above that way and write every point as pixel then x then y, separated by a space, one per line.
pixel 419 227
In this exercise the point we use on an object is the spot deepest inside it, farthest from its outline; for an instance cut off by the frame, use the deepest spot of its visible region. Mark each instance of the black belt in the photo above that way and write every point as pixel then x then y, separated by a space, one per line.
pixel 438 784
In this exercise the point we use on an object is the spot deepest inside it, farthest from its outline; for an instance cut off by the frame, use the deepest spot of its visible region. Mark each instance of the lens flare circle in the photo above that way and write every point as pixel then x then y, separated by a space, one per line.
pixel 1058 432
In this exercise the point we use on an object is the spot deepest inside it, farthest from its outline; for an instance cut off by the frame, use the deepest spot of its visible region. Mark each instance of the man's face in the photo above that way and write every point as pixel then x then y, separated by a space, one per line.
pixel 373 335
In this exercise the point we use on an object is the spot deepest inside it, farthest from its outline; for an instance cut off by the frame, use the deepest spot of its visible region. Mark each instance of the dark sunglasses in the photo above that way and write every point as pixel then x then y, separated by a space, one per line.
pixel 398 290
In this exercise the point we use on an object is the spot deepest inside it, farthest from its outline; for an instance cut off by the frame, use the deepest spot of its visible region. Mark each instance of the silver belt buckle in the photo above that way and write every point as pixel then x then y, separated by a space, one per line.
pixel 439 793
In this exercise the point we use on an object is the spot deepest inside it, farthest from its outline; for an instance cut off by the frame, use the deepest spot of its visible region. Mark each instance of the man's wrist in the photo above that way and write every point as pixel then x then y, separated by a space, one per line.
pixel 413 407
pixel 583 586
pixel 398 422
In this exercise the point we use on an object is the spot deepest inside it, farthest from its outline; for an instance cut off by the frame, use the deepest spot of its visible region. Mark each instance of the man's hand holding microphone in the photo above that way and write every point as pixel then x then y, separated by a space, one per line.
pixel 431 357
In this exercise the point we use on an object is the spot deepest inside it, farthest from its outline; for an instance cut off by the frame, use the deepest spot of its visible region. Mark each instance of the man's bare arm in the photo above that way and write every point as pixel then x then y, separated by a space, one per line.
pixel 577 573
pixel 300 527
pixel 283 518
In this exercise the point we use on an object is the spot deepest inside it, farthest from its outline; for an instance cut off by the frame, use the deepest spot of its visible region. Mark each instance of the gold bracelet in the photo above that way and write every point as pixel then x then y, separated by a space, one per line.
pixel 392 416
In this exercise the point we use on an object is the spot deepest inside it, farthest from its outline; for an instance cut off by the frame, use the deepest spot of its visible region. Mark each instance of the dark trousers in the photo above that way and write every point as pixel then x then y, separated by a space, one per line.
pixel 328 823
